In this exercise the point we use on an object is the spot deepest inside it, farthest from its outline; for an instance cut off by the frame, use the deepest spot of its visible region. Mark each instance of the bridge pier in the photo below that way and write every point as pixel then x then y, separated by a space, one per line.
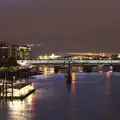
pixel 116 68
pixel 69 76
pixel 88 68
pixel 106 68
pixel 56 69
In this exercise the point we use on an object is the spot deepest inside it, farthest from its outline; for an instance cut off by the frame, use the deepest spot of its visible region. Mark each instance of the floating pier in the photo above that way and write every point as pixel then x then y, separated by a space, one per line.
pixel 10 90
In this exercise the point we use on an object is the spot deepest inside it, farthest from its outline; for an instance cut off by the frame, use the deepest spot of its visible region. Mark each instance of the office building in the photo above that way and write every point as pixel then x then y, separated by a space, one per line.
pixel 4 51
pixel 24 52
pixel 19 52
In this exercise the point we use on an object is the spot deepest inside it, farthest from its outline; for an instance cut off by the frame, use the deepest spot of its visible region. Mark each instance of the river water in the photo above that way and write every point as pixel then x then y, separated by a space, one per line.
pixel 92 96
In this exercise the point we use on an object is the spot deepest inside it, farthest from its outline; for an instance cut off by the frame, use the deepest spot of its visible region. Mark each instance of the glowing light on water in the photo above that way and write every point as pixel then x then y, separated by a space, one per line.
pixel 73 82
pixel 20 110
pixel 108 74
pixel 17 109
pixel 73 76
pixel 48 71
pixel 108 83
pixel 45 70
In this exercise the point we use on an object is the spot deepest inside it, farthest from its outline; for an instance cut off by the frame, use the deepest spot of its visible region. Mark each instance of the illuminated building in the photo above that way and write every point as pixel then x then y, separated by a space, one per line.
pixel 46 57
pixel 24 52
pixel 4 51
pixel 89 55
pixel 14 51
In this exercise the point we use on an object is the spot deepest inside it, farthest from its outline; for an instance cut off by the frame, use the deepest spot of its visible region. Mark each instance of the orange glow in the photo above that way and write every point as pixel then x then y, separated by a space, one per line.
pixel 108 74
pixel 108 98
pixel 73 82
pixel 73 76
pixel 108 83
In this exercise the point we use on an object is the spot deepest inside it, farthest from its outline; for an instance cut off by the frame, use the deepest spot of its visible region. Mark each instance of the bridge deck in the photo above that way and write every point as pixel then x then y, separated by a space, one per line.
pixel 67 61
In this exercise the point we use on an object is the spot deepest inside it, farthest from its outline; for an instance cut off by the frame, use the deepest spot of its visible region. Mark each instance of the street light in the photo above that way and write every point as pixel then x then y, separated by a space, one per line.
pixel 5 70
pixel 14 79
pixel 5 76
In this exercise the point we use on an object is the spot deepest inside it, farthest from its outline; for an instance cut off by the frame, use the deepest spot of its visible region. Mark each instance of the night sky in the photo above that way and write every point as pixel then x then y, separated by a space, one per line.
pixel 62 25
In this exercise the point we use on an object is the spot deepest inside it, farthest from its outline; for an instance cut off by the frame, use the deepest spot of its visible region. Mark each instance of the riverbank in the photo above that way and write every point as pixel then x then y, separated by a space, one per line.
pixel 17 75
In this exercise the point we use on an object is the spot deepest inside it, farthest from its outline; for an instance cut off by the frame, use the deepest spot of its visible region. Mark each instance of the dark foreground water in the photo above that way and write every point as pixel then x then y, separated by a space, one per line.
pixel 92 96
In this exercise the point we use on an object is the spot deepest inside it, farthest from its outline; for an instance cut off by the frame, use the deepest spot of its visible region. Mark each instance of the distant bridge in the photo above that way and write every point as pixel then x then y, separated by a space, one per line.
pixel 94 62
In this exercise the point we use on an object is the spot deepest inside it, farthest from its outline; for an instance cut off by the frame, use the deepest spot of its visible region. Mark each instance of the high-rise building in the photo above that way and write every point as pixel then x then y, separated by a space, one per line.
pixel 13 51
pixel 19 52
pixel 24 52
pixel 4 51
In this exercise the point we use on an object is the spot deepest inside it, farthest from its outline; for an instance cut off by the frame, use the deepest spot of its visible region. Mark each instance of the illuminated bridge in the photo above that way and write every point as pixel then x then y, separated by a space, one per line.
pixel 94 62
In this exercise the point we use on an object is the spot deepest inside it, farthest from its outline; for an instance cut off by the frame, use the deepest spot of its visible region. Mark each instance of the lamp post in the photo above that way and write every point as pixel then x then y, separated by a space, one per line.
pixel 5 76
pixel 14 79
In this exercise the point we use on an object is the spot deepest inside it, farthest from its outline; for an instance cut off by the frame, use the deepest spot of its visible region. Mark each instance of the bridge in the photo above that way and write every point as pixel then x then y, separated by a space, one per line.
pixel 93 62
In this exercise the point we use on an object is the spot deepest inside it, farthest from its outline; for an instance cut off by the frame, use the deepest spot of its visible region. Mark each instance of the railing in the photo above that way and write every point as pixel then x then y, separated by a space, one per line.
pixel 67 61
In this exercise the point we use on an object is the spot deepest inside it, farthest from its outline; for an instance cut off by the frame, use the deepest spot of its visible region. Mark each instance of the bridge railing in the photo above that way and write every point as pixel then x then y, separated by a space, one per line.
pixel 67 61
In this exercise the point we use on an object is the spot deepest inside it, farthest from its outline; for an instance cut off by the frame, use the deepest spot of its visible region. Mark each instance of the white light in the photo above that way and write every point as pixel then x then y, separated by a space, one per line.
pixel 53 55
pixel 118 55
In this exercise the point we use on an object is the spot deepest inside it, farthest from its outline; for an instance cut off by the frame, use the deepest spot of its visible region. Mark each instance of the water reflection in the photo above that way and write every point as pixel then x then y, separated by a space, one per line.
pixel 108 83
pixel 3 103
pixel 17 110
pixel 52 101
pixel 21 110
pixel 47 71
pixel 69 87
pixel 106 110
pixel 73 82
pixel 108 75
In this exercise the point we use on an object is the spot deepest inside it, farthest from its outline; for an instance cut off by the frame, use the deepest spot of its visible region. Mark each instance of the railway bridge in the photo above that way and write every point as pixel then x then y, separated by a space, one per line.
pixel 87 65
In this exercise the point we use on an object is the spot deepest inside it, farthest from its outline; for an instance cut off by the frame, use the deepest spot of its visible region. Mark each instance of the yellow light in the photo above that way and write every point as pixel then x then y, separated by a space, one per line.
pixel 29 98
pixel 27 54
pixel 51 70
pixel 41 57
pixel 21 47
pixel 17 109
pixel 23 91
pixel 45 70
pixel 45 57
